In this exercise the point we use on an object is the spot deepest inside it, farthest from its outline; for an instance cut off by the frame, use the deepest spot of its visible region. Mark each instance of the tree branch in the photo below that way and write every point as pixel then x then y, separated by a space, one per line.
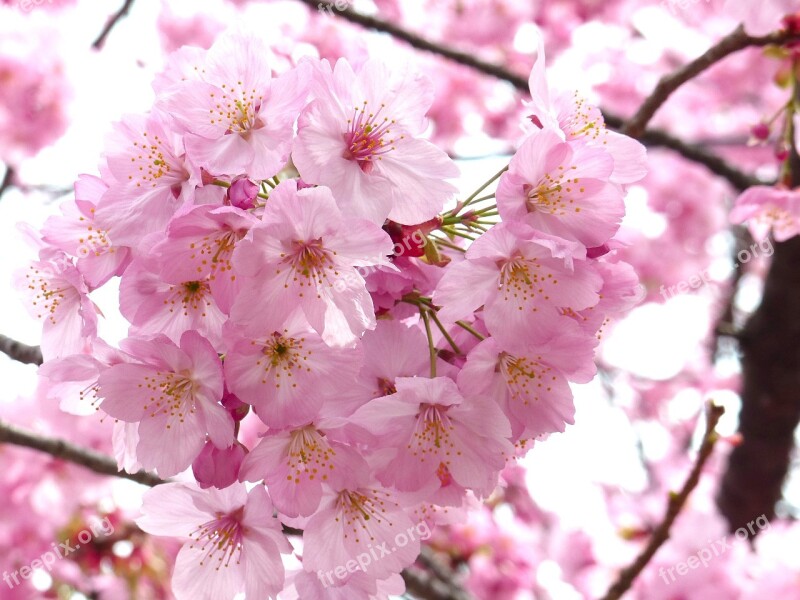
pixel 753 480
pixel 674 506
pixel 112 22
pixel 731 43
pixel 650 137
pixel 91 459
pixel 31 355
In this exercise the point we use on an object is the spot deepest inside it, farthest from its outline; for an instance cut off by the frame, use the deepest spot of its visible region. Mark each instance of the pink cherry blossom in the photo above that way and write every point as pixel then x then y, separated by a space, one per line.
pixel 218 467
pixel 233 543
pixel 524 279
pixel 575 119
pixel 149 178
pixel 36 89
pixel 154 306
pixel 173 393
pixel 238 118
pixel 286 375
pixel 73 378
pixel 97 257
pixel 358 516
pixel 562 188
pixel 199 247
pixel 360 137
pixel 305 253
pixel 56 293
pixel 530 381
pixel 296 463
pixel 768 209
pixel 437 434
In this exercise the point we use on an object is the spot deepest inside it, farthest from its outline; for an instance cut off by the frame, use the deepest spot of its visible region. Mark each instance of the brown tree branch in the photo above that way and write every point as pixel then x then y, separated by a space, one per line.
pixel 650 137
pixel 674 506
pixel 112 22
pixel 731 43
pixel 753 480
pixel 23 353
pixel 91 459
pixel 656 138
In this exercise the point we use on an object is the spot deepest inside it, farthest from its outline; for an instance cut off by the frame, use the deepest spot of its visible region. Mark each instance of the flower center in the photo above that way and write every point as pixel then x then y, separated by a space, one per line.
pixel 310 455
pixel 432 433
pixel 282 356
pixel 524 377
pixel 367 137
pixel 310 264
pixel 213 252
pixel 189 296
pixel 96 241
pixel 49 293
pixel 236 107
pixel 151 161
pixel 521 280
pixel 171 394
pixel 220 540
pixel 554 193
pixel 584 121
pixel 360 507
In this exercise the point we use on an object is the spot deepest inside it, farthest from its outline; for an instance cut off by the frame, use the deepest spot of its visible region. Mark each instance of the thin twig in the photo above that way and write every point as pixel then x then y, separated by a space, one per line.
pixel 444 331
pixel 650 137
pixel 8 181
pixel 112 22
pixel 674 506
pixel 30 355
pixel 431 346
pixel 91 459
pixel 731 43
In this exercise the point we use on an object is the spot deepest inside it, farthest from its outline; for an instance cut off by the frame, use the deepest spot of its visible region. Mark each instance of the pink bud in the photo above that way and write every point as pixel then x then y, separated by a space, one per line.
pixel 760 131
pixel 236 407
pixel 597 251
pixel 218 468
pixel 242 193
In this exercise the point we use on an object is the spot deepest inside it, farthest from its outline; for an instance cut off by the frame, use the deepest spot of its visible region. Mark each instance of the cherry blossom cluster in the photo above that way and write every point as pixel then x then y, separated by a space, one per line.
pixel 292 252
pixel 35 89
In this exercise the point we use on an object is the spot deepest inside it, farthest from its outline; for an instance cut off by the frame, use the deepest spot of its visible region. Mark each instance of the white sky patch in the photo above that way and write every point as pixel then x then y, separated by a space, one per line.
pixel 657 340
